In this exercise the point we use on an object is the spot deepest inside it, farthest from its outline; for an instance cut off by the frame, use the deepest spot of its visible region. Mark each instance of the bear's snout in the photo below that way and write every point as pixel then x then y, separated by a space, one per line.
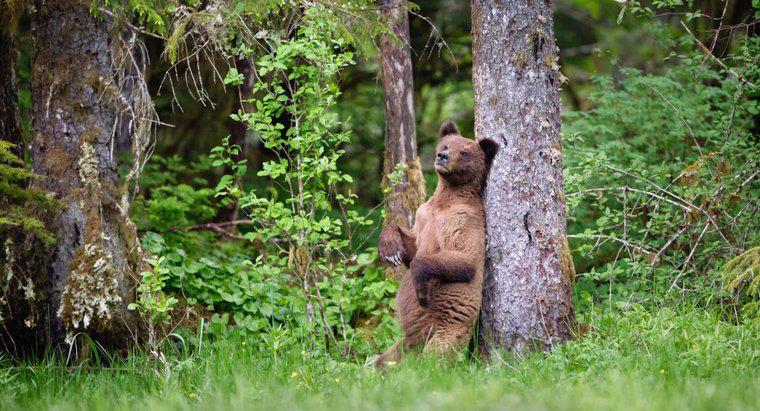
pixel 442 158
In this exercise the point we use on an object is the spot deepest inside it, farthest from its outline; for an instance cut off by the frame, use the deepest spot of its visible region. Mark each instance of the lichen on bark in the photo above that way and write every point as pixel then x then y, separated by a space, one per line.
pixel 92 288
pixel 402 202
pixel 405 197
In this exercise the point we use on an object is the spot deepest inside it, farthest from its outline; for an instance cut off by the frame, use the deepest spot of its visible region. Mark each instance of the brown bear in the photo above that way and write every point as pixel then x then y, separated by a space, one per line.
pixel 439 297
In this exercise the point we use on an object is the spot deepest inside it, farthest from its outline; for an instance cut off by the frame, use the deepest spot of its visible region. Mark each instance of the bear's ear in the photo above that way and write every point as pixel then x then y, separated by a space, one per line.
pixel 448 128
pixel 489 148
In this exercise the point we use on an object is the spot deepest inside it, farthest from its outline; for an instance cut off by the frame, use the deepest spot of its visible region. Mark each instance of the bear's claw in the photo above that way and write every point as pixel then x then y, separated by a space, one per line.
pixel 391 246
pixel 394 260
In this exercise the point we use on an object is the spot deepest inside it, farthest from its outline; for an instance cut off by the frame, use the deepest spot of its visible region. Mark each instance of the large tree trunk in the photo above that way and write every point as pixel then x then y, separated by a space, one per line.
pixel 529 271
pixel 10 124
pixel 400 135
pixel 84 282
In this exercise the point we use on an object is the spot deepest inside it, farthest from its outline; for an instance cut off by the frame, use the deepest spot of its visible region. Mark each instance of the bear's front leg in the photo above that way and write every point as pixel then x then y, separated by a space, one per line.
pixel 421 277
pixel 396 246
pixel 444 266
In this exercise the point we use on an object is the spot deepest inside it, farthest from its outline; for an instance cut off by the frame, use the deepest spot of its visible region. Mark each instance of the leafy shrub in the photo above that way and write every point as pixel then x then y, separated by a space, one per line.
pixel 219 279
pixel 153 303
pixel 295 270
pixel 305 221
pixel 170 204
pixel 661 178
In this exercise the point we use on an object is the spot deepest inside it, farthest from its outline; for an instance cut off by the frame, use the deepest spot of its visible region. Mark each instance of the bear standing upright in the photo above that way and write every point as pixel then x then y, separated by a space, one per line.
pixel 439 297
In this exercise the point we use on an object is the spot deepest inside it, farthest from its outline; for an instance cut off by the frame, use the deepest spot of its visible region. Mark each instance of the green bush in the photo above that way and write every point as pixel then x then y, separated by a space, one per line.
pixel 661 179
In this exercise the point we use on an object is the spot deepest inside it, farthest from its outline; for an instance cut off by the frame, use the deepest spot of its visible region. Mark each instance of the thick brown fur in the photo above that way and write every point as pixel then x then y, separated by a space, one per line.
pixel 439 297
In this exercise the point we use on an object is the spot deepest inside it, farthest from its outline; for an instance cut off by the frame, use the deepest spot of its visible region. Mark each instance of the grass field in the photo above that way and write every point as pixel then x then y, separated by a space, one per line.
pixel 637 360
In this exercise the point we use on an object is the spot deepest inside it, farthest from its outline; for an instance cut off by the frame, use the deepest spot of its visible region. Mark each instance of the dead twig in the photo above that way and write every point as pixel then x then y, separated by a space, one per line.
pixel 691 254
pixel 215 228
pixel 683 200
pixel 709 53
pixel 634 247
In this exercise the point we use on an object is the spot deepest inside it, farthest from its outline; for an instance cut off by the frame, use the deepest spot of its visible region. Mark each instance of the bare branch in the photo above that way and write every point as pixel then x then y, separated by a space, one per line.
pixel 709 53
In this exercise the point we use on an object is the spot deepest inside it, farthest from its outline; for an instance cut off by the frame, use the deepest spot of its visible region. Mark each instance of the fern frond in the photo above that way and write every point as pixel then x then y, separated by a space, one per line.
pixel 741 272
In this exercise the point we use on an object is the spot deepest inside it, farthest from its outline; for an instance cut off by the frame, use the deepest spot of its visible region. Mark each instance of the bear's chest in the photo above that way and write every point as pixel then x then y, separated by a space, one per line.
pixel 431 231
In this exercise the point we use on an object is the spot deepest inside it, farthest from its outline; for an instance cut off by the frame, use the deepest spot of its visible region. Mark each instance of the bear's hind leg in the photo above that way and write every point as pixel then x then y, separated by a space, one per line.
pixel 390 357
pixel 447 342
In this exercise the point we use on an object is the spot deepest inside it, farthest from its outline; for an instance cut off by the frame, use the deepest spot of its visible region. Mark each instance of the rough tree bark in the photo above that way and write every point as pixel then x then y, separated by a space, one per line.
pixel 529 271
pixel 400 134
pixel 10 123
pixel 85 281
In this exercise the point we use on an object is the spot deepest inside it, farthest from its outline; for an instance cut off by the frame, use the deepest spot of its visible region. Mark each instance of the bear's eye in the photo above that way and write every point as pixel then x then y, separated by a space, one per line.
pixel 444 148
pixel 465 153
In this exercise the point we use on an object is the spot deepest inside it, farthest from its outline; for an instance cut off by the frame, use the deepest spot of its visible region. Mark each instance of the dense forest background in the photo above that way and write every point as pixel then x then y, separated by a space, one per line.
pixel 660 125
pixel 642 101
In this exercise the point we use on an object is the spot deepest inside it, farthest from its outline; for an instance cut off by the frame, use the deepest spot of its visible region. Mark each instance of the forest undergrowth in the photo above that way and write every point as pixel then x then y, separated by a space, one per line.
pixel 629 359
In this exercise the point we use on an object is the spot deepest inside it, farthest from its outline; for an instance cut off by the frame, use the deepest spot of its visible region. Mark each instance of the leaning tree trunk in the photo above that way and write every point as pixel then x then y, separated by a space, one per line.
pixel 84 282
pixel 10 129
pixel 400 137
pixel 529 272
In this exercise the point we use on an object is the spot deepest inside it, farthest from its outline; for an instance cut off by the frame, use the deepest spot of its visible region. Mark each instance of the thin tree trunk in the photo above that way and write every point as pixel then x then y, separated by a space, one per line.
pixel 239 129
pixel 84 282
pixel 244 92
pixel 529 271
pixel 10 122
pixel 400 135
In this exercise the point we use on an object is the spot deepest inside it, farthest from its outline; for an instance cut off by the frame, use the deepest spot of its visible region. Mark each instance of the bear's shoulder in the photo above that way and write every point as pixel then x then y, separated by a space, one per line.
pixel 464 209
